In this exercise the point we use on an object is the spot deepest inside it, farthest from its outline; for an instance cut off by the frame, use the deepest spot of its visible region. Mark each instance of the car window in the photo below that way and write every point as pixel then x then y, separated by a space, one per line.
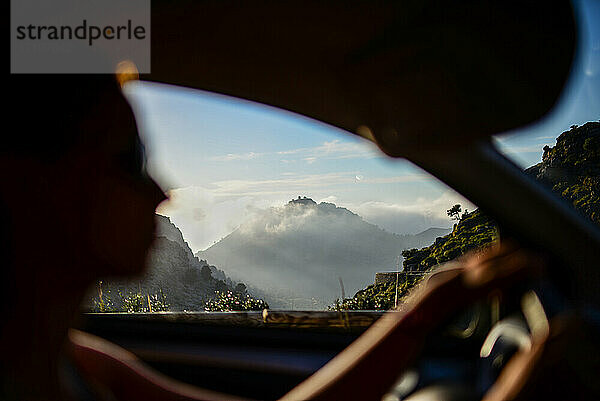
pixel 268 209
pixel 271 210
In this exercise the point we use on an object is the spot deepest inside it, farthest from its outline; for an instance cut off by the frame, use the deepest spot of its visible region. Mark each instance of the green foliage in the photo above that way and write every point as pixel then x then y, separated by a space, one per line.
pixel 132 302
pixel 475 231
pixel 136 302
pixel 572 168
pixel 221 286
pixel 240 288
pixel 454 212
pixel 227 301
pixel 159 302
pixel 104 302
pixel 206 273
pixel 584 195
pixel 103 305
pixel 376 296
pixel 591 144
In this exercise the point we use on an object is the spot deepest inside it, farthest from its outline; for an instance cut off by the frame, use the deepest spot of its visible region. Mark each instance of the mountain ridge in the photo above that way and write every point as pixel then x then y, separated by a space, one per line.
pixel 305 248
pixel 172 270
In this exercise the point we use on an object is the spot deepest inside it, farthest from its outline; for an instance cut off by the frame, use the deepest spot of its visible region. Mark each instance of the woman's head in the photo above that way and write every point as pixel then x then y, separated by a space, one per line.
pixel 74 182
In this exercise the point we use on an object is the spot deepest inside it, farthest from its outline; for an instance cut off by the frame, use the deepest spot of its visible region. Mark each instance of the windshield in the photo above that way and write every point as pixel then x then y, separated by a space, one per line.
pixel 271 210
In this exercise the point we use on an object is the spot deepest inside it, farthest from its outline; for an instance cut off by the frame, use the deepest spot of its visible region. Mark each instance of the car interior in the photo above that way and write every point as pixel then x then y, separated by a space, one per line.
pixel 429 82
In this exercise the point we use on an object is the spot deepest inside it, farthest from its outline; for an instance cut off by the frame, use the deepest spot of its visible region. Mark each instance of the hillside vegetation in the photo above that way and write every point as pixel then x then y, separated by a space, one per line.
pixel 571 169
pixel 175 280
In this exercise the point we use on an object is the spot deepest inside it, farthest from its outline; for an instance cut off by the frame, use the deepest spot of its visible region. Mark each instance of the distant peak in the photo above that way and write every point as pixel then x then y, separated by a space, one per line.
pixel 431 230
pixel 302 201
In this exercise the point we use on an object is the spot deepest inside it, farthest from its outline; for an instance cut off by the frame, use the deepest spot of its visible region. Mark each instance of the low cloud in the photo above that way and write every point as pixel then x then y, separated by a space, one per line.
pixel 332 150
pixel 329 199
pixel 412 218
pixel 276 220
pixel 237 156
pixel 290 183
pixel 204 218
pixel 207 214
pixel 337 149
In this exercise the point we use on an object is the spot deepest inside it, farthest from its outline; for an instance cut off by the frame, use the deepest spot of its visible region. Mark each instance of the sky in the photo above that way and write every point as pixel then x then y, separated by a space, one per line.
pixel 222 159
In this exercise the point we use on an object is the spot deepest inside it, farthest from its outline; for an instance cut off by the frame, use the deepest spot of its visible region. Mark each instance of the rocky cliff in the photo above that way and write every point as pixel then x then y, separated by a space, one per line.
pixel 572 168
pixel 173 271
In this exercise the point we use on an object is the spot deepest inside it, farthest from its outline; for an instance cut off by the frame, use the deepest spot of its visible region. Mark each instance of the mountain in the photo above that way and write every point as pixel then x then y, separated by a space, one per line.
pixel 167 230
pixel 294 255
pixel 172 270
pixel 429 234
pixel 571 169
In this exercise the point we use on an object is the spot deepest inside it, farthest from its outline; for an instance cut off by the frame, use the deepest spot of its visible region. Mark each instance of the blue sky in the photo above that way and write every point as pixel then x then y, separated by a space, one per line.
pixel 221 159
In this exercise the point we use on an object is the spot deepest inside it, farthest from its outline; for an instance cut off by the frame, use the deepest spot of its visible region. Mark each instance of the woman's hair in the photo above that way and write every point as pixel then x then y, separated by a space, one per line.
pixel 46 111
pixel 44 118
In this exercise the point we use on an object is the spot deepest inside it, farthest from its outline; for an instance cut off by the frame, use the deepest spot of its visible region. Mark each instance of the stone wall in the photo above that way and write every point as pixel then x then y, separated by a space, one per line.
pixel 389 277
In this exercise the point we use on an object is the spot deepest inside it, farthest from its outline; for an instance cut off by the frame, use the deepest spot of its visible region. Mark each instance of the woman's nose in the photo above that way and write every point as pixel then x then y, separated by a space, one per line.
pixel 156 192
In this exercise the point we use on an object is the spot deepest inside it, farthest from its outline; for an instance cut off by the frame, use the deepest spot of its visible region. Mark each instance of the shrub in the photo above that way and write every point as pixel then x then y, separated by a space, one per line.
pixel 135 302
pixel 227 301
pixel 376 296
pixel 132 302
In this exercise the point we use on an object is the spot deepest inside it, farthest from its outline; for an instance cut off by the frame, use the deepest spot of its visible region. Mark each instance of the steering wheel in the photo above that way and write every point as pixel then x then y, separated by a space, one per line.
pixel 370 368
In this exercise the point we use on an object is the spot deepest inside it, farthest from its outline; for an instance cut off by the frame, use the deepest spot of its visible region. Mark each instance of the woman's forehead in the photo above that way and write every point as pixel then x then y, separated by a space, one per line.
pixel 110 124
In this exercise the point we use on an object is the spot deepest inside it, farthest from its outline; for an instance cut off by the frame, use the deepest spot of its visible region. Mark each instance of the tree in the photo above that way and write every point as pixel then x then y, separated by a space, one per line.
pixel 240 288
pixel 134 302
pixel 205 273
pixel 103 303
pixel 454 212
pixel 221 286
pixel 228 301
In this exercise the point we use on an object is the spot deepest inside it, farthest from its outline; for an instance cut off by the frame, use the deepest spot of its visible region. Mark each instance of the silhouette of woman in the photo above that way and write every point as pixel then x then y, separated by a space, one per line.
pixel 78 205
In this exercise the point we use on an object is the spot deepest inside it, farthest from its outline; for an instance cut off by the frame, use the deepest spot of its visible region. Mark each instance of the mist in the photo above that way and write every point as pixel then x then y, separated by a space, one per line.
pixel 205 217
pixel 302 249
